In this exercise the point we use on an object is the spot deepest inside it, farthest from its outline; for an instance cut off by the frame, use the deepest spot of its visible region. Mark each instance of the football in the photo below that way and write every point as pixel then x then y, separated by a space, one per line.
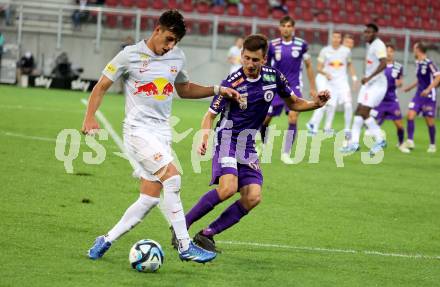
pixel 146 255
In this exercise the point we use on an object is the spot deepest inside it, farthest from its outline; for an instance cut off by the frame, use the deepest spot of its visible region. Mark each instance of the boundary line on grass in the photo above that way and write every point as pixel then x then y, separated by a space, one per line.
pixel 332 250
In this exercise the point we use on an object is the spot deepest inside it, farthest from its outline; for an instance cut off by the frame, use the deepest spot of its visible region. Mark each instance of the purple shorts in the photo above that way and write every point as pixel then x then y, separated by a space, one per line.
pixel 247 170
pixel 278 105
pixel 387 111
pixel 423 105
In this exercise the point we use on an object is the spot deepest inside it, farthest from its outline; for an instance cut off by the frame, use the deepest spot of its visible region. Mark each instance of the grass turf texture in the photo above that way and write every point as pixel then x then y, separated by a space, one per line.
pixel 50 218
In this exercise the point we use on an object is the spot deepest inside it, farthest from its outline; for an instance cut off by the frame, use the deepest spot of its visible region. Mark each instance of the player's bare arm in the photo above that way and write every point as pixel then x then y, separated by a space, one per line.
pixel 380 68
pixel 320 70
pixel 190 90
pixel 311 76
pixel 207 121
pixel 300 105
pixel 90 123
pixel 410 87
pixel 431 86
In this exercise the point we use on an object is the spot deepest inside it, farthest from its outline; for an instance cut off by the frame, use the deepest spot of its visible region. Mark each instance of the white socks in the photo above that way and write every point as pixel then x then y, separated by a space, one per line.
pixel 374 129
pixel 174 210
pixel 132 216
pixel 348 113
pixel 330 114
pixel 356 130
pixel 317 117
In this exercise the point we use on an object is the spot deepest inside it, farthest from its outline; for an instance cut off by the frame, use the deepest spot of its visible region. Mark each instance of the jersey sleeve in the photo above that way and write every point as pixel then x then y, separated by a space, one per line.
pixel 182 76
pixel 218 102
pixel 400 75
pixel 321 57
pixel 283 87
pixel 117 66
pixel 380 50
pixel 270 55
pixel 349 56
pixel 306 55
pixel 434 70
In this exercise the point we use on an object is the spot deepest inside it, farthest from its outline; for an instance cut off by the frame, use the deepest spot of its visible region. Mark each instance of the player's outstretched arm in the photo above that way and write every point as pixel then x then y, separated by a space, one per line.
pixel 190 90
pixel 301 105
pixel 311 77
pixel 433 84
pixel 410 87
pixel 207 122
pixel 90 123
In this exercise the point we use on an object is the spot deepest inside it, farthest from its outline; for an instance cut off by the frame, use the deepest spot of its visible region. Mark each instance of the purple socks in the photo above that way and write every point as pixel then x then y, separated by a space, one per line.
pixel 206 203
pixel 290 138
pixel 228 218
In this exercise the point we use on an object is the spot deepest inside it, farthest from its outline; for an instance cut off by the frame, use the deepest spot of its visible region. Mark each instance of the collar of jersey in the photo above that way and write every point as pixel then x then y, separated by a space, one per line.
pixel 253 80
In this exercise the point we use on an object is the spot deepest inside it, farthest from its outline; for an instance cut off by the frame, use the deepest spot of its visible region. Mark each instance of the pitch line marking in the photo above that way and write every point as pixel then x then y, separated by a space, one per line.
pixel 331 250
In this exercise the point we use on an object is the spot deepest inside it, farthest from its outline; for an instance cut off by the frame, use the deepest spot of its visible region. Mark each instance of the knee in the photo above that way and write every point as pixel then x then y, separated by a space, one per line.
pixel 251 200
pixel 292 118
pixel 227 190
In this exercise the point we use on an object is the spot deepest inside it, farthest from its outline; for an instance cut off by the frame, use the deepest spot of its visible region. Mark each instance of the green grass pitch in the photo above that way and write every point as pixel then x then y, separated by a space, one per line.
pixel 316 226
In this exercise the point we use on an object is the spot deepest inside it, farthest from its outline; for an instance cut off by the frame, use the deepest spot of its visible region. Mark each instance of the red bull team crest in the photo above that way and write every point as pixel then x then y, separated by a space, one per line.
pixel 159 89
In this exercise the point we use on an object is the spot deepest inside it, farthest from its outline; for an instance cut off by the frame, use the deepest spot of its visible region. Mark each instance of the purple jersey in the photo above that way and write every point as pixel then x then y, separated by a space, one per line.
pixel 243 120
pixel 393 72
pixel 426 72
pixel 287 57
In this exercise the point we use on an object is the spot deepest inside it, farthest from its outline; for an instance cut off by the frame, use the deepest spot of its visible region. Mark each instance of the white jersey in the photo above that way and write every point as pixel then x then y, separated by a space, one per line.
pixel 149 84
pixel 375 51
pixel 235 54
pixel 335 61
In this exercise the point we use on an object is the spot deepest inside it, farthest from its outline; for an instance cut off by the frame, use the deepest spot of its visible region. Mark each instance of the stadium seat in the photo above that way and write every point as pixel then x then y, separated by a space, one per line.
pixel 322 17
pixel 158 5
pixel 248 11
pixel 320 5
pixel 127 3
pixel 142 4
pixel 218 10
pixel 127 21
pixel 111 20
pixel 262 13
pixel 278 14
pixel 111 3
pixel 172 4
pixel 144 23
pixel 202 8
pixel 204 27
pixel 187 7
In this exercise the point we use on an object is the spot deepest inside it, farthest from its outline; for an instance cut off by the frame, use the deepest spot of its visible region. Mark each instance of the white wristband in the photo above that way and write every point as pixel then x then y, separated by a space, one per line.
pixel 216 89
pixel 354 78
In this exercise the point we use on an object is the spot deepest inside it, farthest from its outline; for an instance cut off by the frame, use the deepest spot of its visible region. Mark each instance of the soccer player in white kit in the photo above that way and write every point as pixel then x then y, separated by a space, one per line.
pixel 153 69
pixel 372 92
pixel 234 55
pixel 333 62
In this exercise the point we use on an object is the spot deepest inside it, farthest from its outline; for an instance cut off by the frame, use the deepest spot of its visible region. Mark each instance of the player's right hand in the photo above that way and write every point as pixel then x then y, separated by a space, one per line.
pixel 90 126
pixel 203 147
pixel 323 97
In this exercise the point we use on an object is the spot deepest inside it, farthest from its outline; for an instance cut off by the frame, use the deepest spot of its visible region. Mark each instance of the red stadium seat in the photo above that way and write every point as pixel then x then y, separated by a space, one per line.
pixel 158 5
pixel 262 13
pixel 111 20
pixel 232 10
pixel 127 21
pixel 144 23
pixel 322 17
pixel 204 27
pixel 320 5
pixel 337 18
pixel 218 10
pixel 127 3
pixel 248 12
pixel 186 7
pixel 111 3
pixel 202 8
pixel 278 14
pixel 142 4
pixel 172 4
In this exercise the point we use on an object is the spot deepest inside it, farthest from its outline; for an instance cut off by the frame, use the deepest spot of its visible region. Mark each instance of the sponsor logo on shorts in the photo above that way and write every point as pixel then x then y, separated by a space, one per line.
pixel 157 156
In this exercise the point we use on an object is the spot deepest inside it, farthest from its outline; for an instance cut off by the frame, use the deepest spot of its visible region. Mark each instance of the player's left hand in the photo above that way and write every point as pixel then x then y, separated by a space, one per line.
pixel 425 92
pixel 229 93
pixel 364 80
pixel 322 98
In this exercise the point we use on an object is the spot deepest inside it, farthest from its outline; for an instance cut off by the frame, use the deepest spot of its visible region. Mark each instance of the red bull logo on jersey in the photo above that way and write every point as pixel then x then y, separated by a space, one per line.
pixel 336 64
pixel 160 89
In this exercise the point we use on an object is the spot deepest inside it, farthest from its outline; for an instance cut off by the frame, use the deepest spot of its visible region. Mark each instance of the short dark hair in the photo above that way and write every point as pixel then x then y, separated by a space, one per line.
pixel 391 46
pixel 256 42
pixel 173 21
pixel 286 19
pixel 337 32
pixel 373 26
pixel 422 47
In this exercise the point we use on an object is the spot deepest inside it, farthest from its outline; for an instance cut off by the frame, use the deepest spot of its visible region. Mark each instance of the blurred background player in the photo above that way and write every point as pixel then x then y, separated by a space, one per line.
pixel 333 62
pixel 373 89
pixel 287 54
pixel 348 41
pixel 155 67
pixel 389 108
pixel 234 55
pixel 428 78
pixel 235 165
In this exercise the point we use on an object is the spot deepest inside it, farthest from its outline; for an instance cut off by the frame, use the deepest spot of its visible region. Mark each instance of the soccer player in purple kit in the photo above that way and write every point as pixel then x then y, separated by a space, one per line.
pixel 389 108
pixel 235 165
pixel 428 78
pixel 287 54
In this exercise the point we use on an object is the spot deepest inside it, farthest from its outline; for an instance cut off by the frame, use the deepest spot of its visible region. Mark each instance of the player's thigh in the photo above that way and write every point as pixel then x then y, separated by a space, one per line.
pixel 411 115
pixel 151 188
pixel 430 121
pixel 373 95
pixel 399 124
pixel 149 152
pixel 292 116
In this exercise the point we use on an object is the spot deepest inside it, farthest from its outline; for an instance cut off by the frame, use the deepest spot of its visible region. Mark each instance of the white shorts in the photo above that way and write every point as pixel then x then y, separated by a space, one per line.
pixel 148 152
pixel 321 83
pixel 371 95
pixel 339 91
